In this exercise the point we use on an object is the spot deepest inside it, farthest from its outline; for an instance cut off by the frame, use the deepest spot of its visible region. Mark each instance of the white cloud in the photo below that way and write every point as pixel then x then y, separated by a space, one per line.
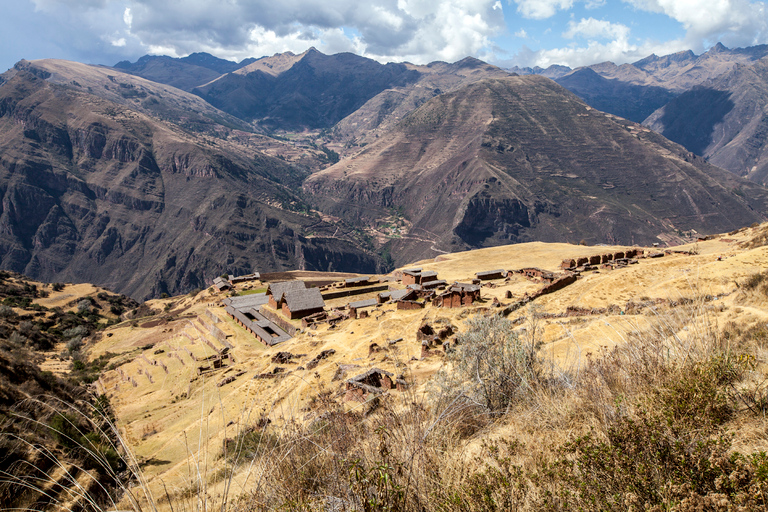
pixel 521 34
pixel 734 22
pixel 128 17
pixel 618 51
pixel 416 30
pixel 119 42
pixel 590 28
pixel 542 9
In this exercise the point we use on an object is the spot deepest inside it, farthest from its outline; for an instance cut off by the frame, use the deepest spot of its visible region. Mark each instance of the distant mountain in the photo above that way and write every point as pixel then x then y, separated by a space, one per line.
pixel 520 159
pixel 386 109
pixel 311 90
pixel 636 90
pixel 633 102
pixel 681 71
pixel 185 73
pixel 554 71
pixel 103 180
pixel 726 121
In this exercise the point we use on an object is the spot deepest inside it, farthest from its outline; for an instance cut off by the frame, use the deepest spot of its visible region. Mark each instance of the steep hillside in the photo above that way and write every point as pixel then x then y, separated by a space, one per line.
pixel 387 108
pixel 314 91
pixel 106 191
pixel 43 457
pixel 521 159
pixel 157 100
pixel 725 121
pixel 185 73
pixel 633 102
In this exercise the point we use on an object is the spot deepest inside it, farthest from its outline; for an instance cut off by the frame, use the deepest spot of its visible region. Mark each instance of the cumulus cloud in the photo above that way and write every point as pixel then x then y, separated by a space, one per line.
pixel 618 51
pixel 416 30
pixel 590 28
pixel 420 31
pixel 734 22
pixel 542 9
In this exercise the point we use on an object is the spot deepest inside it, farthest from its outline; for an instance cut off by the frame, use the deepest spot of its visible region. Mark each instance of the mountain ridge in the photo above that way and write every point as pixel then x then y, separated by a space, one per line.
pixel 496 162
pixel 99 190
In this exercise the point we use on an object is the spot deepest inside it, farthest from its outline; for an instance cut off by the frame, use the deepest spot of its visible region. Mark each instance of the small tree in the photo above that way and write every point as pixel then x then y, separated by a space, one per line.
pixel 84 306
pixel 492 366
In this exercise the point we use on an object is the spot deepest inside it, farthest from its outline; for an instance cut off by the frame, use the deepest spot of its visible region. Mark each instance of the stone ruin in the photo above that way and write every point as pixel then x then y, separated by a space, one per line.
pixel 319 357
pixel 277 371
pixel 218 361
pixel 608 260
pixel 431 336
pixel 409 304
pixel 558 284
pixel 284 357
pixel 537 274
pixel 373 382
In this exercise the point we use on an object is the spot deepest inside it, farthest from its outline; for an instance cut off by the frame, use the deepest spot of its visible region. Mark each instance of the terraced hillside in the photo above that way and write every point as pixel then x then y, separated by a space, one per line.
pixel 521 159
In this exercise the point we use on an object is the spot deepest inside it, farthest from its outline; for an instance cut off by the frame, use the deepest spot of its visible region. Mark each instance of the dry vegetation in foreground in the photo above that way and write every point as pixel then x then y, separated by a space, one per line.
pixel 656 423
pixel 649 425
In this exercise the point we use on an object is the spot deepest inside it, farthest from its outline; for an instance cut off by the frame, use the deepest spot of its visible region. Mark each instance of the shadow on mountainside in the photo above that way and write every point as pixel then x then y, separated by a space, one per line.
pixel 690 119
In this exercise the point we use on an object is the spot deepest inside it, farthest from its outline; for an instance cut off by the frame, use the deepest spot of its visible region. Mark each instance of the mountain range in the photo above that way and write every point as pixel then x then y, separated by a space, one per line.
pixel 124 192
pixel 714 104
pixel 156 176
pixel 521 159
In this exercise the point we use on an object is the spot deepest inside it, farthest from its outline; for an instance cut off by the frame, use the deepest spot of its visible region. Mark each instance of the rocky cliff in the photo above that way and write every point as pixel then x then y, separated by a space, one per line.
pixel 96 190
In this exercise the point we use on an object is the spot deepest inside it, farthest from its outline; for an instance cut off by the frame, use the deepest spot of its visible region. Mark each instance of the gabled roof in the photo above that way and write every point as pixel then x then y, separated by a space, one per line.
pixel 277 290
pixel 363 303
pixel 491 272
pixel 303 299
pixel 353 280
pixel 405 294
pixel 466 287
pixel 246 301
pixel 221 283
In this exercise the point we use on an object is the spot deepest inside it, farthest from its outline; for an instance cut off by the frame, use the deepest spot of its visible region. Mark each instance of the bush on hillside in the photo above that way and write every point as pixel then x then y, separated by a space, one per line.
pixel 492 367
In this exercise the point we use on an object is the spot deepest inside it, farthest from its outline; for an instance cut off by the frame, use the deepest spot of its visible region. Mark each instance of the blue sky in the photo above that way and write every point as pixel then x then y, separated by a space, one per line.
pixel 504 32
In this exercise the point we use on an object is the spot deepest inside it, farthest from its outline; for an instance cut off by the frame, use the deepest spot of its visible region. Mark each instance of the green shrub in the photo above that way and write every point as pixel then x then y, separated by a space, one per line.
pixel 671 451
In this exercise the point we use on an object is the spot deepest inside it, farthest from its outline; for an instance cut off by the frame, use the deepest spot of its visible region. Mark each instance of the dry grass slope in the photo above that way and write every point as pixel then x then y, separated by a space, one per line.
pixel 640 387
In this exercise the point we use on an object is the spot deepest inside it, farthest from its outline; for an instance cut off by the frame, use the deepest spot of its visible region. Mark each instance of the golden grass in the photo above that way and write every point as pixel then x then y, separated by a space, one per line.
pixel 180 420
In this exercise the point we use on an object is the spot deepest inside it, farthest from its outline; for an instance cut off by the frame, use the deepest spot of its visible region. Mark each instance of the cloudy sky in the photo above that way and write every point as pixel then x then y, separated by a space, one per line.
pixel 506 32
